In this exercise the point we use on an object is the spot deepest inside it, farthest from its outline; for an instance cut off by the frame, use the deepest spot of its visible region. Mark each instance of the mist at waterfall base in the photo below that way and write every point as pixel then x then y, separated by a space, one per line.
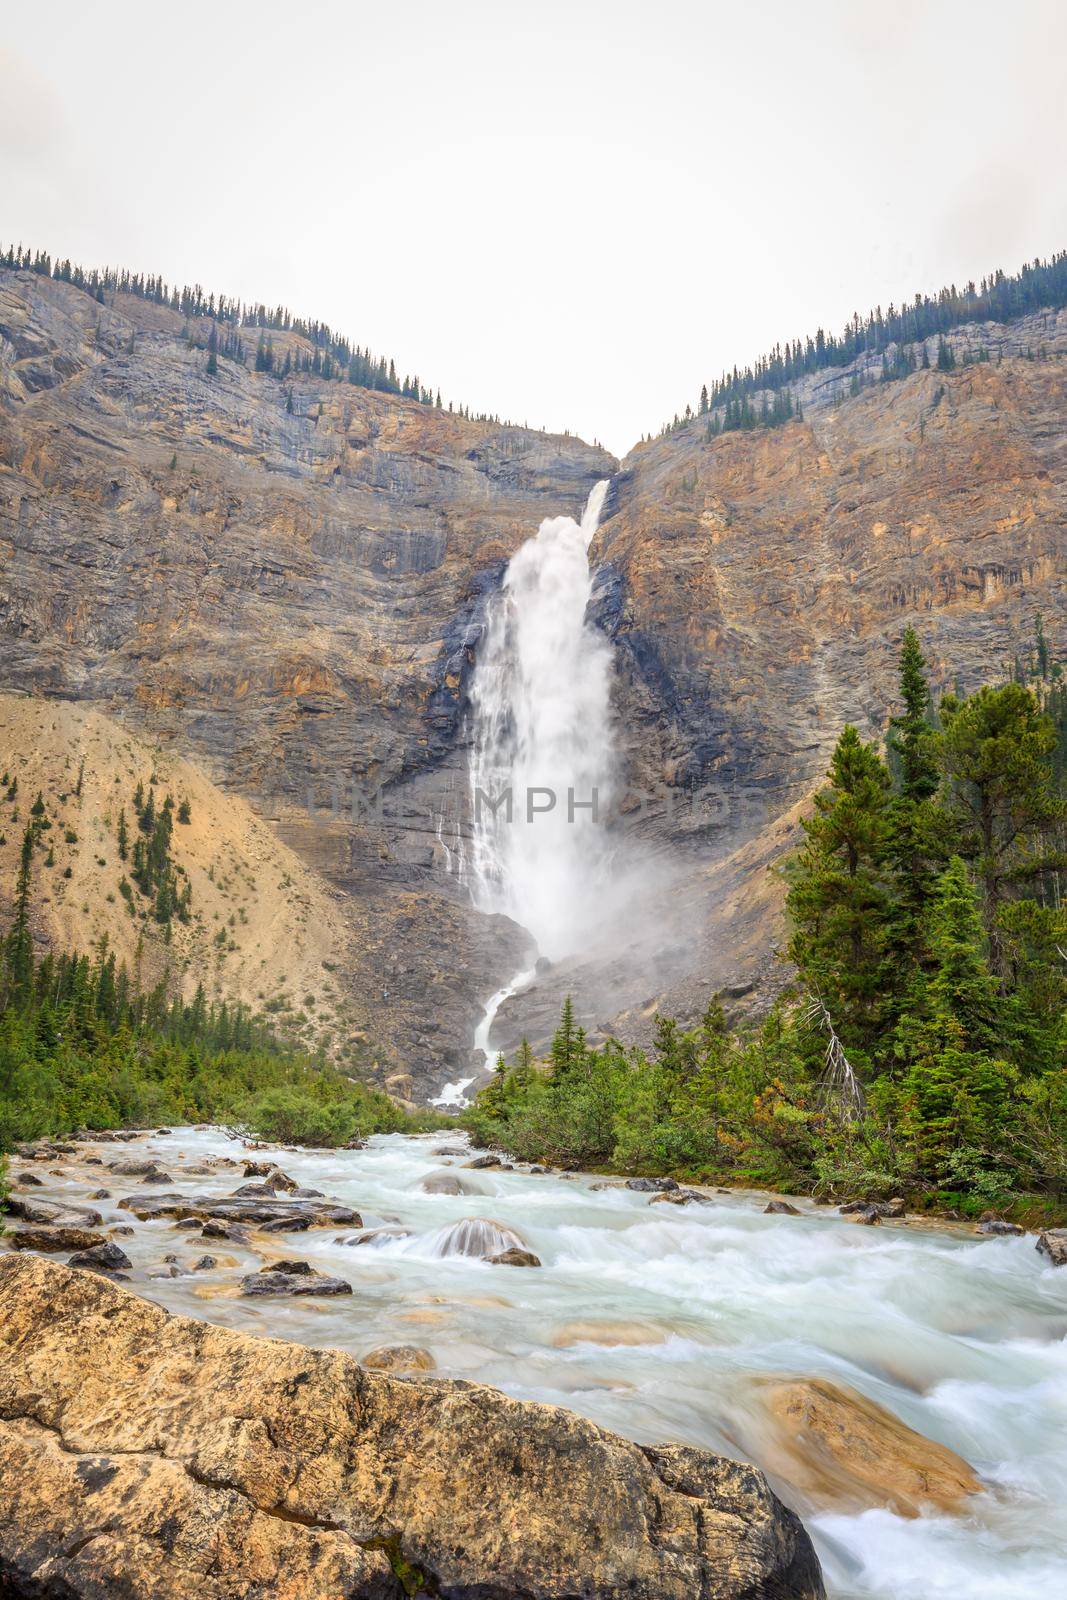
pixel 663 1323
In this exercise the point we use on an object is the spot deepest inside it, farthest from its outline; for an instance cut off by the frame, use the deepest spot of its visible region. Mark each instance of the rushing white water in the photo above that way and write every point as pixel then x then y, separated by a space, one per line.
pixel 660 1322
pixel 541 709
pixel 454 1095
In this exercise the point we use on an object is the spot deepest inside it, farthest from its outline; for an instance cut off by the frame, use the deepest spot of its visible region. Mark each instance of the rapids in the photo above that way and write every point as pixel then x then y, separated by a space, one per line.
pixel 658 1321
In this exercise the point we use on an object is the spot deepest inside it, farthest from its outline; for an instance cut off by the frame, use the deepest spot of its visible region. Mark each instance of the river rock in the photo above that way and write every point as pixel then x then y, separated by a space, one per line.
pixel 292 1277
pixel 205 1264
pixel 103 1257
pixel 479 1236
pixel 134 1166
pixel 261 1211
pixel 373 1236
pixel 482 1163
pixel 651 1185
pixel 221 1230
pixel 273 1178
pixel 515 1257
pixel 448 1183
pixel 843 1451
pixel 100 1194
pixel 780 1208
pixel 607 1333
pixel 450 1150
pixel 399 1358
pixel 51 1214
pixel 996 1226
pixel 55 1239
pixel 1052 1242
pixel 145 1456
pixel 29 1180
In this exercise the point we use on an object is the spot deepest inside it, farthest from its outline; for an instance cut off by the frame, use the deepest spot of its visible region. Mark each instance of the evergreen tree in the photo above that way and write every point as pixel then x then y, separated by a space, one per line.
pixel 914 842
pixel 995 749
pixel 839 896
pixel 18 953
pixel 566 1042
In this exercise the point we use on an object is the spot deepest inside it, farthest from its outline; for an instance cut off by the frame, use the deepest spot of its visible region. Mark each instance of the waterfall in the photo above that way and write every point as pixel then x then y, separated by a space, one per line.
pixel 541 711
pixel 542 759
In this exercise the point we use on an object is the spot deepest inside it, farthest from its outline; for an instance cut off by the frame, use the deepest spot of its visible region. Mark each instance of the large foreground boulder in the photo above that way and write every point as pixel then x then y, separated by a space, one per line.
pixel 145 1456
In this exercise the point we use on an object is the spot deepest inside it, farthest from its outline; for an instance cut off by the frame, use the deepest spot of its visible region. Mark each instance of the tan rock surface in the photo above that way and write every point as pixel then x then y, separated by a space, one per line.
pixel 842 1450
pixel 144 1454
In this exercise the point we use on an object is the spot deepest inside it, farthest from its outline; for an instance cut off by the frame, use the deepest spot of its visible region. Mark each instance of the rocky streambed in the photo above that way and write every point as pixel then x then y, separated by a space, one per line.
pixel 903 1387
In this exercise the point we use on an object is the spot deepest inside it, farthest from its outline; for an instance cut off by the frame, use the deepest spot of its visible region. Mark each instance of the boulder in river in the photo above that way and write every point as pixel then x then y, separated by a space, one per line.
pixel 515 1257
pixel 843 1451
pixel 997 1227
pixel 164 1458
pixel 399 1358
pixel 652 1185
pixel 478 1236
pixel 256 1210
pixel 292 1277
pixel 55 1239
pixel 780 1208
pixel 448 1183
pixel 51 1214
pixel 104 1257
pixel 1052 1242
pixel 134 1166
pixel 221 1230
pixel 482 1163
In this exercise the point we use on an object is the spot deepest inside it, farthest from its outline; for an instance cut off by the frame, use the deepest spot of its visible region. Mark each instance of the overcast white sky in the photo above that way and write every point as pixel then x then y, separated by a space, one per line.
pixel 569 213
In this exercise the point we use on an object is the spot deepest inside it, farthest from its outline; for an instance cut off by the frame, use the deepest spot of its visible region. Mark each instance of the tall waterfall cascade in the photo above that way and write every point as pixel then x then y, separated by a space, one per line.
pixel 542 764
pixel 543 767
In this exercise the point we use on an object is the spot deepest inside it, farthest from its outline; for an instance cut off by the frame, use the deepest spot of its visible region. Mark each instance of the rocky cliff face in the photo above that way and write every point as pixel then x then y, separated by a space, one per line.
pixel 288 1472
pixel 757 586
pixel 288 598
pixel 292 600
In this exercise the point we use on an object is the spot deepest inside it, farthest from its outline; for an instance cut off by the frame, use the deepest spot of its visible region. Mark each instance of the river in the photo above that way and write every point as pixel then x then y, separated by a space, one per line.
pixel 659 1321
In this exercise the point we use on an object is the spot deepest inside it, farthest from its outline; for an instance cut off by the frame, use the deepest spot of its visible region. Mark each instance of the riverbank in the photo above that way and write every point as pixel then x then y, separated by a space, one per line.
pixel 688 1322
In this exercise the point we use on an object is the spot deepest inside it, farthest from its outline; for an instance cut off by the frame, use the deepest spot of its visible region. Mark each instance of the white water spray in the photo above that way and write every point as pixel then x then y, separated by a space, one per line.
pixel 542 733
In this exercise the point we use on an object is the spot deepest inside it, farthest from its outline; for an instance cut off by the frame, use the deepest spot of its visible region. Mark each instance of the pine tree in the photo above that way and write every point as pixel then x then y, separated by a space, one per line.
pixel 914 842
pixel 123 836
pixel 18 954
pixel 995 749
pixel 839 896
pixel 961 985
pixel 565 1051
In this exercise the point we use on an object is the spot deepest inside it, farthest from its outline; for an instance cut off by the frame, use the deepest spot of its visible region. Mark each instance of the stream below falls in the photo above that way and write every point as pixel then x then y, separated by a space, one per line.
pixel 662 1322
